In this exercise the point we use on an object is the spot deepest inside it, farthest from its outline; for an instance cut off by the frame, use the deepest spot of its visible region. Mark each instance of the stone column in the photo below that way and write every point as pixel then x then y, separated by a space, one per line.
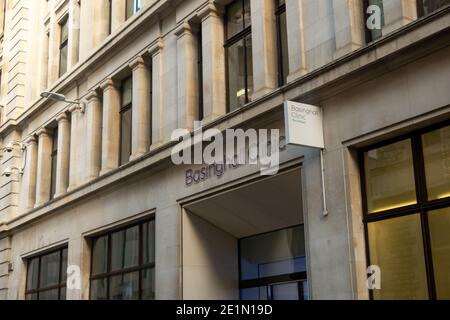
pixel 398 13
pixel 140 142
pixel 214 98
pixel 44 167
pixel 101 21
pixel 74 146
pixel 111 126
pixel 264 43
pixel 74 32
pixel 296 39
pixel 157 95
pixel 62 161
pixel 117 14
pixel 28 196
pixel 87 29
pixel 188 99
pixel 93 136
pixel 349 26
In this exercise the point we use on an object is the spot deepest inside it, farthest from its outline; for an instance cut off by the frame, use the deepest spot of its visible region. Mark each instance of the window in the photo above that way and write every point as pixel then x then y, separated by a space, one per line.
pixel 273 266
pixel 109 16
pixel 425 7
pixel 123 264
pixel 283 51
pixel 46 276
pixel 63 47
pixel 54 163
pixel 132 7
pixel 200 73
pixel 406 187
pixel 239 54
pixel 125 120
pixel 375 31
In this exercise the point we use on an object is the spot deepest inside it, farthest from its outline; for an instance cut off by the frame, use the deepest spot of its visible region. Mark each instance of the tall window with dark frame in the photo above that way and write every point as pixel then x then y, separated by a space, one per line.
pixel 54 163
pixel 425 7
pixel 273 266
pixel 47 276
pixel 126 120
pixel 132 6
pixel 239 54
pixel 406 191
pixel 374 33
pixel 283 50
pixel 63 46
pixel 200 73
pixel 123 264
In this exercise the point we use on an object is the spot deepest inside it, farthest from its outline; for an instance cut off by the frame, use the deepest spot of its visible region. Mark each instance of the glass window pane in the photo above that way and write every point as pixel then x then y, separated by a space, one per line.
pixel 125 249
pixel 396 247
pixel 64 266
pixel 148 284
pixel 432 5
pixel 257 293
pixel 130 8
pixel 249 66
pixel 390 177
pixel 32 296
pixel 284 47
pixel 63 60
pixel 236 75
pixel 286 291
pixel 439 222
pixel 50 268
pixel 63 294
pixel 127 92
pixel 125 287
pixel 277 253
pixel 64 31
pixel 100 255
pixel 247 14
pixel 131 256
pixel 149 242
pixel 32 275
pixel 49 295
pixel 99 289
pixel 235 19
pixel 125 136
pixel 436 152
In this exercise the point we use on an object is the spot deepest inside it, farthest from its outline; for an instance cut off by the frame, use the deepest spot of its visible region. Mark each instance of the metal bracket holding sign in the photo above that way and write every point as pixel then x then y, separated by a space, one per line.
pixel 304 127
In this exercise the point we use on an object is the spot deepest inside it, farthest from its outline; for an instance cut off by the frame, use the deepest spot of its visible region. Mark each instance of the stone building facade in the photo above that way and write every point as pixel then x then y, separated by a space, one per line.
pixel 88 182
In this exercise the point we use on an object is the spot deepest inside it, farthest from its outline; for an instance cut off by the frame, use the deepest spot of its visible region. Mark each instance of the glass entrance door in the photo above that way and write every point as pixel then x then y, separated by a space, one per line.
pixel 273 266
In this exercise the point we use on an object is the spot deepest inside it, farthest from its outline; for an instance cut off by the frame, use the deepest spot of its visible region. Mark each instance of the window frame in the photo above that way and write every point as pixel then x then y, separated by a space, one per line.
pixel 240 36
pixel 54 162
pixel 136 7
pixel 109 274
pixel 279 10
pixel 124 109
pixel 61 284
pixel 423 206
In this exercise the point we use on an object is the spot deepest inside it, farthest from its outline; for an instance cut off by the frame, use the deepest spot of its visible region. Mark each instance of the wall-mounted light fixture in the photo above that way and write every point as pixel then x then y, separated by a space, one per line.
pixel 62 98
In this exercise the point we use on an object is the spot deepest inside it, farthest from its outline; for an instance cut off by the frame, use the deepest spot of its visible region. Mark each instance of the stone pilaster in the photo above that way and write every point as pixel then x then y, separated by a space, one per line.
pixel 398 13
pixel 296 39
pixel 140 141
pixel 111 125
pixel 75 140
pixel 214 98
pixel 44 167
pixel 187 76
pixel 157 94
pixel 28 187
pixel 93 136
pixel 264 44
pixel 348 25
pixel 62 161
